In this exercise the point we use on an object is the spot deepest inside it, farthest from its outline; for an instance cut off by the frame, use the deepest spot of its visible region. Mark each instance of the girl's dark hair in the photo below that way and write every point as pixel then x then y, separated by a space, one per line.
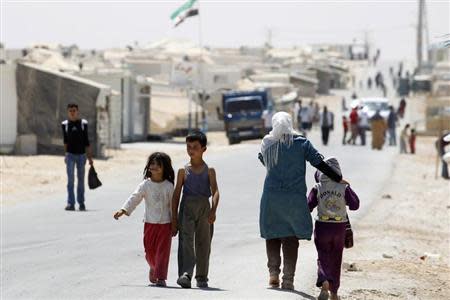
pixel 163 160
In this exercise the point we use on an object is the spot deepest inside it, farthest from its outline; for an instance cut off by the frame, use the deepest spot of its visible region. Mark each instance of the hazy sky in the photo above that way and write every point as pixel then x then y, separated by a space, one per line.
pixel 101 24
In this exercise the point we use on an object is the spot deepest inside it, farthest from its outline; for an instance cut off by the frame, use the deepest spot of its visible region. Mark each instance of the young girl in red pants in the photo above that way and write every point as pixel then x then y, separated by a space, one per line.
pixel 157 190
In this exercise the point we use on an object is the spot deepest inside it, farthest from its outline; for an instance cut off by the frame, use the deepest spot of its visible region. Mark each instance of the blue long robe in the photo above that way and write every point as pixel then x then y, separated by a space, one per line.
pixel 284 210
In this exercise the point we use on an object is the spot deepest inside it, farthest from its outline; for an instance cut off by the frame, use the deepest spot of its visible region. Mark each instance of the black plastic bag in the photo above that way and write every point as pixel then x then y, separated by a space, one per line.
pixel 348 242
pixel 93 180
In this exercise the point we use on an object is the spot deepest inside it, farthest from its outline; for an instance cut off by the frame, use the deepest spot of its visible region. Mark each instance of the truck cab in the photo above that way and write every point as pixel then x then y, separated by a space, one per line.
pixel 245 114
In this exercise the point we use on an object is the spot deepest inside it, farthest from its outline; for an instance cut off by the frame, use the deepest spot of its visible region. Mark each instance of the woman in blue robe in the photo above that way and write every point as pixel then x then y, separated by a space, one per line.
pixel 284 213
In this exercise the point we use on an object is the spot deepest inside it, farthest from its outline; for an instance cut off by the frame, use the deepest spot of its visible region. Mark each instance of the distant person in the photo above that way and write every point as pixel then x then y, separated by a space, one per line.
pixel 400 69
pixel 412 141
pixel 196 216
pixel 353 126
pixel 354 96
pixel 316 113
pixel 376 57
pixel 306 117
pixel 378 79
pixel 343 104
pixel 441 143
pixel 298 117
pixel 326 124
pixel 284 215
pixel 76 148
pixel 392 125
pixel 404 139
pixel 345 129
pixel 378 126
pixel 369 83
pixel 363 125
pixel 402 108
pixel 331 199
pixel 383 88
pixel 156 190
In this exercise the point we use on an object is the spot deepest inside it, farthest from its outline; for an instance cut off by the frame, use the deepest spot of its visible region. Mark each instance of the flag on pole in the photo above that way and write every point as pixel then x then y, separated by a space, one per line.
pixel 183 12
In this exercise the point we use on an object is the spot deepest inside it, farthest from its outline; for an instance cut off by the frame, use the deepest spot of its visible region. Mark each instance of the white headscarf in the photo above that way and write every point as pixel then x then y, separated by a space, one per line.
pixel 282 133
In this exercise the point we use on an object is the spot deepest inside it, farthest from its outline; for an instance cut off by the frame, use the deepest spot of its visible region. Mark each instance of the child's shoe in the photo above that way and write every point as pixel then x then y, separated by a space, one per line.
pixel 324 293
pixel 287 285
pixel 203 284
pixel 161 283
pixel 151 276
pixel 334 297
pixel 274 281
pixel 184 281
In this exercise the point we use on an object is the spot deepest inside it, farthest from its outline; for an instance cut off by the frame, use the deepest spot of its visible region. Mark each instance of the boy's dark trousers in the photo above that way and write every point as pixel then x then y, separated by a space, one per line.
pixel 194 226
pixel 290 253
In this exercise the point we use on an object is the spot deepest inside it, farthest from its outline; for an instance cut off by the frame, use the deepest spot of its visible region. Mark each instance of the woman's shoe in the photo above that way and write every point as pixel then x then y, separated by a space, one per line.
pixel 287 285
pixel 274 281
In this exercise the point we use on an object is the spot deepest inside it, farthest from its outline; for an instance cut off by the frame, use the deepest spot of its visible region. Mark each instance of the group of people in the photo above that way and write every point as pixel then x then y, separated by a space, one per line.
pixel 408 140
pixel 358 122
pixel 284 209
pixel 306 116
pixel 379 83
pixel 165 216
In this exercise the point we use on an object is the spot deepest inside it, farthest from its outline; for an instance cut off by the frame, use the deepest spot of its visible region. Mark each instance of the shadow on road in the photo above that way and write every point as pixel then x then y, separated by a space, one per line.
pixel 212 289
pixel 208 289
pixel 304 295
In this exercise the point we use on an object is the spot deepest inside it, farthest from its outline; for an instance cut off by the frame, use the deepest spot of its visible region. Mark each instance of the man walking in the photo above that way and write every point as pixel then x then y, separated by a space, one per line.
pixel 392 124
pixel 353 126
pixel 326 124
pixel 76 148
pixel 363 125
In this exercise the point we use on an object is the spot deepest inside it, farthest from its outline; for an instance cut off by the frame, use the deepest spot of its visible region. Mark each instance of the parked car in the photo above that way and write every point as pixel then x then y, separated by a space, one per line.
pixel 370 105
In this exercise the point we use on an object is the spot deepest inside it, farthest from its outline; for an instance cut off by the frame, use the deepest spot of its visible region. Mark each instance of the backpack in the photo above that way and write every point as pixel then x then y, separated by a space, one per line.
pixel 84 122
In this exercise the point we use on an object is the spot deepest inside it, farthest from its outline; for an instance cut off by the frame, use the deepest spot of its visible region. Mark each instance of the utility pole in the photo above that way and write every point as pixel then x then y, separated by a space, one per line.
pixel 268 38
pixel 425 28
pixel 420 34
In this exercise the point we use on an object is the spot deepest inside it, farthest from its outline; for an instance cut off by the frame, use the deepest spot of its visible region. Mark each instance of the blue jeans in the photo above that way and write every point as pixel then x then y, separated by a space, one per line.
pixel 392 137
pixel 72 160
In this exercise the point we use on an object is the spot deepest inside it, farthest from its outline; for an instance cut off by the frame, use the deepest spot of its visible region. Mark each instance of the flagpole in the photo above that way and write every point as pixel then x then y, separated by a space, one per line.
pixel 200 71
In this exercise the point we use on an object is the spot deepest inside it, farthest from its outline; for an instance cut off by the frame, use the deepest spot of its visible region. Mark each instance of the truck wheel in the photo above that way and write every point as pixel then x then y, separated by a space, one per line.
pixel 233 141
